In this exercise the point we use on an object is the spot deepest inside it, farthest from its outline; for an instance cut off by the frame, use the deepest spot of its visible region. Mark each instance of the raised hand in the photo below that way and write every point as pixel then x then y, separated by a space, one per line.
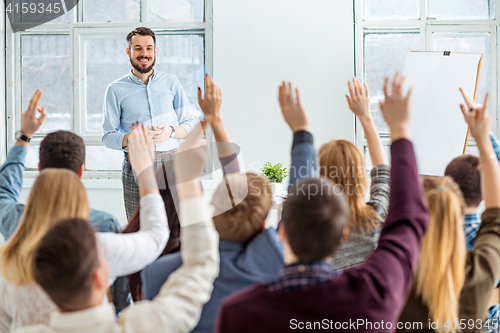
pixel 292 110
pixel 30 123
pixel 359 101
pixel 210 104
pixel 190 161
pixel 140 148
pixel 477 117
pixel 396 108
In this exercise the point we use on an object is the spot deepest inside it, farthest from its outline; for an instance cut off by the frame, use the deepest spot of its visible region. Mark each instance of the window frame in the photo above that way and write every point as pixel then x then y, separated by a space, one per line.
pixel 79 32
pixel 426 27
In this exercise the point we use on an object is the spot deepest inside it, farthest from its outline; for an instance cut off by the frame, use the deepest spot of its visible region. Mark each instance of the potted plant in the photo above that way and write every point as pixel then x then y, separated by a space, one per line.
pixel 275 175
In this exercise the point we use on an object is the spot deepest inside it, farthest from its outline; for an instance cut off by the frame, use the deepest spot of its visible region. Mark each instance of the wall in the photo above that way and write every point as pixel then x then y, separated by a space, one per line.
pixel 259 43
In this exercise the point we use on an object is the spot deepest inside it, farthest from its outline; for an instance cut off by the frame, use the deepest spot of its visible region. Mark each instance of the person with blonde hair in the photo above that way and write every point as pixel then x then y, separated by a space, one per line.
pixel 343 163
pixel 56 194
pixel 452 287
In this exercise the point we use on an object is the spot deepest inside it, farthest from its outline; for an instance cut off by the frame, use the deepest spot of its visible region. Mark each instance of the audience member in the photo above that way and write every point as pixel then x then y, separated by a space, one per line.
pixel 61 150
pixel 452 288
pixel 58 193
pixel 343 163
pixel 314 219
pixel 70 267
pixel 210 106
pixel 249 253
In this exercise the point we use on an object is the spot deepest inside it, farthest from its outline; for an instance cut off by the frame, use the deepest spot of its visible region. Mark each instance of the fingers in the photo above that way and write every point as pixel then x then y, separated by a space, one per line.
pixel 396 83
pixel 464 110
pixel 382 106
pixel 298 96
pixel 486 100
pixel 200 99
pixel 351 89
pixel 386 87
pixel 468 100
pixel 43 114
pixel 34 101
pixel 357 87
pixel 409 94
pixel 349 101
pixel 367 92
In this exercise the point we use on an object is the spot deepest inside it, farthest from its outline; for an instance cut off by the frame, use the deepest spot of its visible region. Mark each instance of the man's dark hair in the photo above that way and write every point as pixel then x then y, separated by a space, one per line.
pixel 64 263
pixel 62 150
pixel 142 31
pixel 314 216
pixel 464 171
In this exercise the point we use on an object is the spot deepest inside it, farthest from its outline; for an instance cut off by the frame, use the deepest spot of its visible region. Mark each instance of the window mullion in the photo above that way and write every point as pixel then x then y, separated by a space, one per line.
pixel 144 11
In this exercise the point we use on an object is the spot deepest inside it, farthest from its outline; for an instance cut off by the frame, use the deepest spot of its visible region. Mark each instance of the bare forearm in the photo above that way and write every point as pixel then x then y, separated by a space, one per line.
pixel 180 132
pixel 374 143
pixel 224 146
pixel 490 179
pixel 125 140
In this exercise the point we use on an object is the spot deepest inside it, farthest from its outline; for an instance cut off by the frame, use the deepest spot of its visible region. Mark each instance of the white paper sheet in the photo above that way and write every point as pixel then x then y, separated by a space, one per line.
pixel 438 128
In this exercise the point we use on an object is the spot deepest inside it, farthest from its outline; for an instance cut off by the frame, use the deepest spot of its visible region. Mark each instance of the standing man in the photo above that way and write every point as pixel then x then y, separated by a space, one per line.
pixel 155 99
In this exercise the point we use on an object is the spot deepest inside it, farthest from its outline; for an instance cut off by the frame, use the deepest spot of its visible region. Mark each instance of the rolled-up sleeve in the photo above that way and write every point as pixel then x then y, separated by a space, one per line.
pixel 183 107
pixel 111 137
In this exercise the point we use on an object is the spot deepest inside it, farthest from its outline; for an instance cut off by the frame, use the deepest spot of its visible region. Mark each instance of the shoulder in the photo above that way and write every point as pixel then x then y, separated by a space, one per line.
pixel 245 297
pixel 103 221
pixel 116 85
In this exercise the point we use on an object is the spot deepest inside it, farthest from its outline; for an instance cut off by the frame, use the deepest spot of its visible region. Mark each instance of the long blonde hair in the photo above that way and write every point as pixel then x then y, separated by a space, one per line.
pixel 441 270
pixel 56 194
pixel 342 162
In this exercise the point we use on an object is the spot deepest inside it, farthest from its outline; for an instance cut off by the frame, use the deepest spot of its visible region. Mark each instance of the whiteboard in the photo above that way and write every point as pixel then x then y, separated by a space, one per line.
pixel 438 129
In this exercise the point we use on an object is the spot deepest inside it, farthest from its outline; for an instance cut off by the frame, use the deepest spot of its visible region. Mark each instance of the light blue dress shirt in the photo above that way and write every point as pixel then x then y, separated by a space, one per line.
pixel 162 101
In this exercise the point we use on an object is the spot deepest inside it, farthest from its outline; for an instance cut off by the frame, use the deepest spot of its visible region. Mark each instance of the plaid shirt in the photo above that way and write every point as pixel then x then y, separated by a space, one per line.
pixel 471 226
pixel 302 276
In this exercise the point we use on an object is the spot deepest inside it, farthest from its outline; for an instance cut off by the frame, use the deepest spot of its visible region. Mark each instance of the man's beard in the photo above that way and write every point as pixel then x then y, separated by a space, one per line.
pixel 141 69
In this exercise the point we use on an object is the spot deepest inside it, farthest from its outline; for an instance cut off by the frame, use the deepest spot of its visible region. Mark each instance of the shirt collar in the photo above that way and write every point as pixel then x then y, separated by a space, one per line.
pixel 137 80
pixel 95 316
pixel 472 218
pixel 303 275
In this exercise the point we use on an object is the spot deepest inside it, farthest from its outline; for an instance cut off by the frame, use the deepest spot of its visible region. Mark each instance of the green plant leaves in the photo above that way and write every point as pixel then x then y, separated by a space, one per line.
pixel 274 173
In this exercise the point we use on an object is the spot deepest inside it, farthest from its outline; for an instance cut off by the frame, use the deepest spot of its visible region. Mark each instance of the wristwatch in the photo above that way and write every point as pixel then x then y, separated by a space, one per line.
pixel 20 136
pixel 173 131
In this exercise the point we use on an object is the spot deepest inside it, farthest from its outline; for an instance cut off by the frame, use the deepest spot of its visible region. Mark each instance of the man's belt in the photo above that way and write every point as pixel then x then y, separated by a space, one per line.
pixel 160 154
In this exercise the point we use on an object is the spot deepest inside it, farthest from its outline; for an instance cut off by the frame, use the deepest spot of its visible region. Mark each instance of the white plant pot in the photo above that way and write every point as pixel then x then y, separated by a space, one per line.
pixel 277 189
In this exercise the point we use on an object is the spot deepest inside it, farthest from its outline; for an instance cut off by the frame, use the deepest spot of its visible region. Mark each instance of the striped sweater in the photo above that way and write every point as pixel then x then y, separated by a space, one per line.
pixel 360 245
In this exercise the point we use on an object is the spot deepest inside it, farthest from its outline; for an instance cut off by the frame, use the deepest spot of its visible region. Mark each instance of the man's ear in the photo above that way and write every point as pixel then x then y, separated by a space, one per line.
pixel 128 51
pixel 39 167
pixel 99 279
pixel 80 171
pixel 155 50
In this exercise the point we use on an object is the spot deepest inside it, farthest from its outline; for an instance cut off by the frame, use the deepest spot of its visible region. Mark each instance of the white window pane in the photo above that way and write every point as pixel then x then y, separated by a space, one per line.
pixel 102 158
pixel 111 11
pixel 181 55
pixel 106 62
pixel 176 10
pixel 391 9
pixel 472 150
pixel 385 54
pixel 468 43
pixel 45 65
pixel 32 157
pixel 460 9
pixel 368 160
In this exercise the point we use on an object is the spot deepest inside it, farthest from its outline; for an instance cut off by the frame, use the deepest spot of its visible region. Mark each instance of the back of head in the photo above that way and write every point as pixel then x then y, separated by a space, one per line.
pixel 241 206
pixel 56 194
pixel 64 262
pixel 465 172
pixel 62 150
pixel 441 269
pixel 342 162
pixel 314 216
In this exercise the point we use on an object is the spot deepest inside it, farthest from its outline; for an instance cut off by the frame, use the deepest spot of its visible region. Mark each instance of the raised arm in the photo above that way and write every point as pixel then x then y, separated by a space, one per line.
pixel 359 103
pixel 11 172
pixel 129 253
pixel 177 308
pixel 392 264
pixel 483 262
pixel 304 155
pixel 210 105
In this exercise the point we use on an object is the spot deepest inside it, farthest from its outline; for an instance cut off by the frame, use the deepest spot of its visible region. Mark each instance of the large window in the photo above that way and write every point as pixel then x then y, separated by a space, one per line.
pixel 73 58
pixel 386 30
